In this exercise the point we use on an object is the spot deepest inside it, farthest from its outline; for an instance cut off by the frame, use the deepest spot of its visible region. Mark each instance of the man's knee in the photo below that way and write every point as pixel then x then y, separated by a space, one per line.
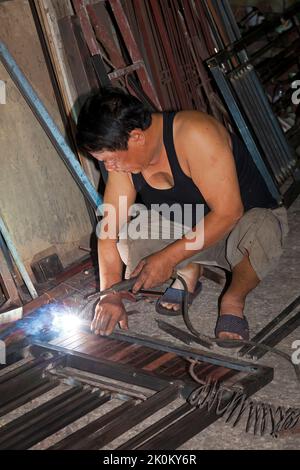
pixel 260 235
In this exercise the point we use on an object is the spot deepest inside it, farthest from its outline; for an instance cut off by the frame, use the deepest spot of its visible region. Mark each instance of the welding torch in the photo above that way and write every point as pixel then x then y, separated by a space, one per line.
pixel 124 285
pixel 121 286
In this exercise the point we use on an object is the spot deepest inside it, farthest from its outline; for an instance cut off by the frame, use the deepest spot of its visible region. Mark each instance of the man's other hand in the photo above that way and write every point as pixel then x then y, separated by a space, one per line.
pixel 108 312
pixel 153 271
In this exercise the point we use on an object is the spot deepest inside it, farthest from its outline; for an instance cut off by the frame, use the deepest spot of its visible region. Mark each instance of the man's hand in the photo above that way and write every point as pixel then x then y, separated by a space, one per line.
pixel 109 311
pixel 153 271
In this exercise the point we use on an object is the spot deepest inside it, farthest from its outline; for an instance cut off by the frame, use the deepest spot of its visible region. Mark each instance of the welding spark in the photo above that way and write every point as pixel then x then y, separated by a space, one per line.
pixel 65 322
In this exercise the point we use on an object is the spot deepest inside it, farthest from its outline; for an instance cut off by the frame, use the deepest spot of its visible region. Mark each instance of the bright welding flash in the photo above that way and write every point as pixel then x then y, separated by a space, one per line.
pixel 65 322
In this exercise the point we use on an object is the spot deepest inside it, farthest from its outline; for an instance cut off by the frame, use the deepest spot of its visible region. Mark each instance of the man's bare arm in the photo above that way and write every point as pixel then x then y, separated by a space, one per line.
pixel 110 263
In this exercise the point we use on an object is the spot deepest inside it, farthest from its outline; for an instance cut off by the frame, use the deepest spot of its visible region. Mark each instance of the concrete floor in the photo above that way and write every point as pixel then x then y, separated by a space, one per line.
pixel 270 297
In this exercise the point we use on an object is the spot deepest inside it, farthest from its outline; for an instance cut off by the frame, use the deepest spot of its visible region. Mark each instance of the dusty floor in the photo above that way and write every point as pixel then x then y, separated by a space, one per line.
pixel 271 296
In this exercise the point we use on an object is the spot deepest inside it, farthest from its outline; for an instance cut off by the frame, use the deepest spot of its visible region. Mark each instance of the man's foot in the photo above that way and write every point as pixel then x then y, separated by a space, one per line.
pixel 191 273
pixel 231 327
pixel 232 308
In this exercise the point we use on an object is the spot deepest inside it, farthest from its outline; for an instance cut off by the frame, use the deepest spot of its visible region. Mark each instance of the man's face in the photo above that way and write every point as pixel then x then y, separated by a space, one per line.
pixel 131 160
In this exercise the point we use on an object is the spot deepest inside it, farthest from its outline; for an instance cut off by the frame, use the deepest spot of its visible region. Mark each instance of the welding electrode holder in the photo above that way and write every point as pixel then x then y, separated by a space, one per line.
pixel 121 286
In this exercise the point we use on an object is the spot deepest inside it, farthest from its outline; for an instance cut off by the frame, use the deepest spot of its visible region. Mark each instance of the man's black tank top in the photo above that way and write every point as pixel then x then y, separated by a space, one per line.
pixel 254 191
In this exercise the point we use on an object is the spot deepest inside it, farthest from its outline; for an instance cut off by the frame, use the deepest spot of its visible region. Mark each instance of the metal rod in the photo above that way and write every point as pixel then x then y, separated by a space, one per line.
pixel 271 325
pixel 19 424
pixel 50 128
pixel 179 432
pixel 52 420
pixel 14 252
pixel 130 419
pixel 243 127
pixel 149 432
pixel 27 397
pixel 182 335
pixel 72 440
pixel 264 114
pixel 277 128
pixel 251 107
pixel 278 335
pixel 197 354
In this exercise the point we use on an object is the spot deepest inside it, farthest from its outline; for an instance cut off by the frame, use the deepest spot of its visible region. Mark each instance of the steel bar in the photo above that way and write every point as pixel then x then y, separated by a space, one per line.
pixel 129 419
pixel 213 7
pixel 17 371
pixel 150 431
pixel 247 102
pixel 104 367
pixel 260 123
pixel 104 384
pixel 276 336
pixel 231 18
pixel 277 128
pixel 156 55
pixel 271 325
pixel 252 108
pixel 244 98
pixel 100 20
pixel 24 382
pixel 53 420
pixel 50 128
pixel 222 13
pixel 33 416
pixel 169 52
pixel 215 359
pixel 7 276
pixel 26 397
pixel 78 57
pixel 72 441
pixel 179 432
pixel 265 114
pixel 182 335
pixel 212 24
pixel 263 29
pixel 150 47
pixel 134 51
pixel 14 253
pixel 243 127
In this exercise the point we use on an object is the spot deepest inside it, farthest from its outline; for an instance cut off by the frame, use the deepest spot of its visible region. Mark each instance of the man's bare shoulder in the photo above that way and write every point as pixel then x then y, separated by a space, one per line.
pixel 197 124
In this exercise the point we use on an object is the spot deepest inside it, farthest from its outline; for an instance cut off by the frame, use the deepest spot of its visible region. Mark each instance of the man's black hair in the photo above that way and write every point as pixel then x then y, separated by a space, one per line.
pixel 107 118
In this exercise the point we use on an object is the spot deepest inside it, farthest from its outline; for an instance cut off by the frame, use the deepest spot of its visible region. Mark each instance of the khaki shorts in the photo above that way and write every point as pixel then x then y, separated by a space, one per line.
pixel 259 234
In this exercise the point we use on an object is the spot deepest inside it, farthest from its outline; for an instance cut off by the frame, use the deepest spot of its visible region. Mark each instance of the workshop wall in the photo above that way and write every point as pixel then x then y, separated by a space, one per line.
pixel 40 202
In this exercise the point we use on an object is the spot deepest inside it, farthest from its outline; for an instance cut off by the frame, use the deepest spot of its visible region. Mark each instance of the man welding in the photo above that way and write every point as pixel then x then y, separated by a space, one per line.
pixel 189 159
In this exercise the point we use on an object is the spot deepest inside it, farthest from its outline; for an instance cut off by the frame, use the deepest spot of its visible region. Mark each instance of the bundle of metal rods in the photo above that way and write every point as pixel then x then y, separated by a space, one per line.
pixel 243 89
pixel 155 49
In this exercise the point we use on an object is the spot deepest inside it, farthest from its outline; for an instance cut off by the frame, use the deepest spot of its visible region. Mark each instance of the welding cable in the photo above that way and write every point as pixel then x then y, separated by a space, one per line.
pixel 229 342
